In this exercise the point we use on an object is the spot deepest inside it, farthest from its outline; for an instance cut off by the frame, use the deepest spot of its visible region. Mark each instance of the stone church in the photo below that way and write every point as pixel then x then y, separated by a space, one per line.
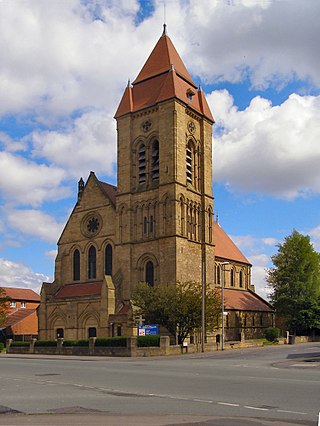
pixel 157 225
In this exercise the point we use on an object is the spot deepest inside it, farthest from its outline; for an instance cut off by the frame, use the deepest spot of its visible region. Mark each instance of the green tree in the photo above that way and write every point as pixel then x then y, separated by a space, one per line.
pixel 295 283
pixel 177 307
pixel 4 299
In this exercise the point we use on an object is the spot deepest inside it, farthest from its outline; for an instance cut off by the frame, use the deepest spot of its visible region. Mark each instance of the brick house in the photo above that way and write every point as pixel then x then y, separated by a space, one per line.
pixel 22 318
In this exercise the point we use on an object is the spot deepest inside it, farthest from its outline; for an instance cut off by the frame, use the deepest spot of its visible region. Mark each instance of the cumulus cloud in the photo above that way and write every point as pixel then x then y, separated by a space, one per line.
pixel 14 274
pixel 260 264
pixel 268 149
pixel 259 40
pixel 25 182
pixel 88 144
pixel 35 223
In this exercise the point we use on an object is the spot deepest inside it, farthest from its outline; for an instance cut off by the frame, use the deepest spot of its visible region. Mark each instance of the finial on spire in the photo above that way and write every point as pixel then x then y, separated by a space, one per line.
pixel 128 82
pixel 164 29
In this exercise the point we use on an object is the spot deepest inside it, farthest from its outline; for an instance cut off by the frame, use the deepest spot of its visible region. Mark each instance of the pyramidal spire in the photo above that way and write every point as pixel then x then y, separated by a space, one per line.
pixel 160 60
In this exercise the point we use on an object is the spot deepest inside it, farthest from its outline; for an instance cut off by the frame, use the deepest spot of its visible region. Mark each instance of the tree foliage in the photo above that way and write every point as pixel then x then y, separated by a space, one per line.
pixel 295 283
pixel 4 299
pixel 177 307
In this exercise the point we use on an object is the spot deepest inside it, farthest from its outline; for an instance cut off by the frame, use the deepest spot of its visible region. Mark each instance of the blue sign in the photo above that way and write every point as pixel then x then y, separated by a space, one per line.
pixel 148 329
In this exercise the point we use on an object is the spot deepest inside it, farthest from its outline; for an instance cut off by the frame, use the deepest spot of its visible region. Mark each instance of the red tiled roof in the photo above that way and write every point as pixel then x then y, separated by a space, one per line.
pixel 23 294
pixel 243 300
pixel 160 60
pixel 163 77
pixel 78 290
pixel 109 190
pixel 18 316
pixel 225 247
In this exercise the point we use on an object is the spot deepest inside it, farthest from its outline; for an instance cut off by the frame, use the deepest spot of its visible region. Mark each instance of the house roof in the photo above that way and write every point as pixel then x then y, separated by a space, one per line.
pixel 24 294
pixel 17 316
pixel 79 290
pixel 243 300
pixel 163 77
pixel 225 248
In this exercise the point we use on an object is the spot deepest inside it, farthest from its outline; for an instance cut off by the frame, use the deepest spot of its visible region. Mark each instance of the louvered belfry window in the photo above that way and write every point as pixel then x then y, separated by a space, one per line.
pixel 189 162
pixel 155 160
pixel 142 163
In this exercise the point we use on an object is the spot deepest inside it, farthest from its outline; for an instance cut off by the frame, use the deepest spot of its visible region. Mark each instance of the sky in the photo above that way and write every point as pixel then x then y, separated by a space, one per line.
pixel 63 68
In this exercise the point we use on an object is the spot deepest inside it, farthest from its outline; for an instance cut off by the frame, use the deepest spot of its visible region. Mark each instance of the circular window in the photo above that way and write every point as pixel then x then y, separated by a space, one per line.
pixel 91 225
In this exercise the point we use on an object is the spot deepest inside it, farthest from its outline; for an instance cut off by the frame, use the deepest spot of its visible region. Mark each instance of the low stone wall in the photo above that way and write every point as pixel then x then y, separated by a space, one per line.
pixel 132 350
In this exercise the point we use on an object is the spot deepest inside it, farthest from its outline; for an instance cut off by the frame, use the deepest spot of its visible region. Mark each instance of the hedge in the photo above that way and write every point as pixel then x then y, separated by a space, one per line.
pixel 20 343
pixel 46 343
pixel 76 343
pixel 148 341
pixel 272 333
pixel 112 342
pixel 1 346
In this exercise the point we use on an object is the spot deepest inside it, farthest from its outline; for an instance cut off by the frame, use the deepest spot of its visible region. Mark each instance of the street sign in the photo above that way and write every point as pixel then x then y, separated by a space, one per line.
pixel 148 329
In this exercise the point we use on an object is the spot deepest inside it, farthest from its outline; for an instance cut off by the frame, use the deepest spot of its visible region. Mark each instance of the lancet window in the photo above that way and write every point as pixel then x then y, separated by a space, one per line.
pixel 92 263
pixel 76 265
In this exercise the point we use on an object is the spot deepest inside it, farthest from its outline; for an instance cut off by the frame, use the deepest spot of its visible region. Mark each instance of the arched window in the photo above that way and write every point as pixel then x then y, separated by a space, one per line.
pixel 92 263
pixel 150 273
pixel 142 163
pixel 232 277
pixel 145 225
pixel 182 216
pixel 151 225
pixel 155 160
pixel 108 260
pixel 218 275
pixel 76 265
pixel 241 278
pixel 189 162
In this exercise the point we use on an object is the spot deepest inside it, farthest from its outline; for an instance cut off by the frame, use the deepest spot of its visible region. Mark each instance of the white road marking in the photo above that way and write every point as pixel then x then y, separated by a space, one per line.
pixel 291 412
pixel 229 404
pixel 256 408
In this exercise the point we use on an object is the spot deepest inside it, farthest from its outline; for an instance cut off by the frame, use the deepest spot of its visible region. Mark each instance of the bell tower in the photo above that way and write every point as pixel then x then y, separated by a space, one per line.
pixel 164 199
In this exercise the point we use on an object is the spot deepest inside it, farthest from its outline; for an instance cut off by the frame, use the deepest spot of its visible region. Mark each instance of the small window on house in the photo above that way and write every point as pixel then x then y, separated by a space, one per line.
pixel 150 273
pixel 23 304
pixel 13 304
pixel 142 163
pixel 119 330
pixel 189 162
pixel 92 263
pixel 92 332
pixel 108 260
pixel 76 265
pixel 155 160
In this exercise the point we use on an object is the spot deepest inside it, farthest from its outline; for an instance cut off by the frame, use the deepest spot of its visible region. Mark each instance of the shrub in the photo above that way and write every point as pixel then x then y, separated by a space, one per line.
pixel 20 343
pixel 148 341
pixel 272 333
pixel 76 342
pixel 1 346
pixel 46 343
pixel 112 342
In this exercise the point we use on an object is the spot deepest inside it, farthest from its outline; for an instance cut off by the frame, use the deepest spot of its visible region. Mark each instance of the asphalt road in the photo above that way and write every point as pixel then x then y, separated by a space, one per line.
pixel 278 385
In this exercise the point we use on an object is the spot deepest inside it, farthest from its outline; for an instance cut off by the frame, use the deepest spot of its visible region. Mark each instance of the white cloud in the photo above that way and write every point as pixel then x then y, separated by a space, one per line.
pixel 25 182
pixel 259 40
pixel 268 149
pixel 35 223
pixel 89 144
pixel 260 263
pixel 14 274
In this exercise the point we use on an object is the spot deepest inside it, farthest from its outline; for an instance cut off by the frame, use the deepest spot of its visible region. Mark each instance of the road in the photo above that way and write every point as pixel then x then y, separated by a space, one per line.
pixel 278 385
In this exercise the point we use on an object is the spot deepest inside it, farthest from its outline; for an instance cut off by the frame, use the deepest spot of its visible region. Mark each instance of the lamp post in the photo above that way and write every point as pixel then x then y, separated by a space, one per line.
pixel 223 264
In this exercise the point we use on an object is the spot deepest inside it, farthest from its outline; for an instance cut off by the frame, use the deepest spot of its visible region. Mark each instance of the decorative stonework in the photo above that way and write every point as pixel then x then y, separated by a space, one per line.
pixel 146 125
pixel 91 225
pixel 191 127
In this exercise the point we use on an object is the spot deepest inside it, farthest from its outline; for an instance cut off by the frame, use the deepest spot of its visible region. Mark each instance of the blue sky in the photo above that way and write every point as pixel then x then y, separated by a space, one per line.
pixel 62 76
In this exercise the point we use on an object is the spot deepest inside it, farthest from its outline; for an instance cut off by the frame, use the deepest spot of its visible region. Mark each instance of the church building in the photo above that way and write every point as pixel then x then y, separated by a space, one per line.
pixel 157 226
